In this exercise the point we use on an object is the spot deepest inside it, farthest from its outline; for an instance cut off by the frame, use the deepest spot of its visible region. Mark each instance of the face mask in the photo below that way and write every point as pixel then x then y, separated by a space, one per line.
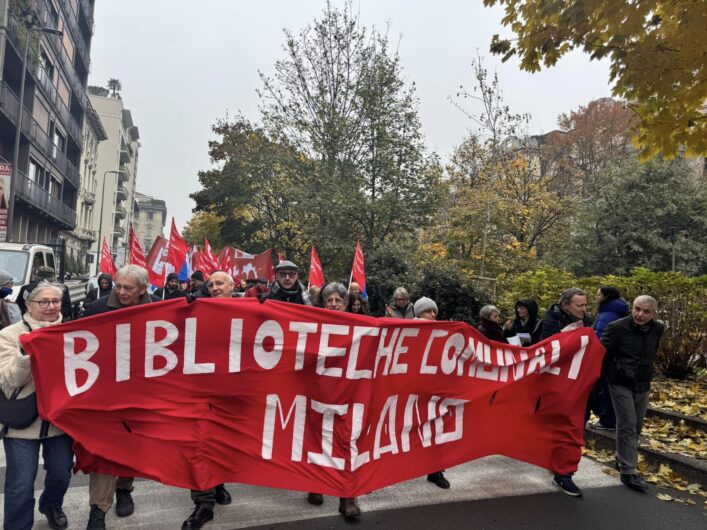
pixel 5 291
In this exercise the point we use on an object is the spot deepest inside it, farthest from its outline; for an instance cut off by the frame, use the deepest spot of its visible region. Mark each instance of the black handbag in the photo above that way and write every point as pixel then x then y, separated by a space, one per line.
pixel 18 413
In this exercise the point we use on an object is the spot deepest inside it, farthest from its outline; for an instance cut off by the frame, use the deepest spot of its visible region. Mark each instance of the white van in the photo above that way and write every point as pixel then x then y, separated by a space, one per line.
pixel 23 260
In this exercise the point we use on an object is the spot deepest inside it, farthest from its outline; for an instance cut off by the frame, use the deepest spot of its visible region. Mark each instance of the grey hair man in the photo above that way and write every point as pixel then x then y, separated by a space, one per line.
pixel 130 289
pixel 631 347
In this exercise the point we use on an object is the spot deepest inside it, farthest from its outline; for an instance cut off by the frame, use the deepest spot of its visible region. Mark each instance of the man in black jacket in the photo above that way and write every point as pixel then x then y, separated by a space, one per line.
pixel 171 288
pixel 631 346
pixel 570 310
pixel 130 289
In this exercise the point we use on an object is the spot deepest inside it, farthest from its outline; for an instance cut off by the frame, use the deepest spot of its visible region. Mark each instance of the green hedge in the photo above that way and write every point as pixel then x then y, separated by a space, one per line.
pixel 682 307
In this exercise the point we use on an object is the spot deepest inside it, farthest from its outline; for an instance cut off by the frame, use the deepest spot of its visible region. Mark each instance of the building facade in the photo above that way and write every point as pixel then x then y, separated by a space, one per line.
pixel 116 171
pixel 47 176
pixel 149 219
pixel 83 237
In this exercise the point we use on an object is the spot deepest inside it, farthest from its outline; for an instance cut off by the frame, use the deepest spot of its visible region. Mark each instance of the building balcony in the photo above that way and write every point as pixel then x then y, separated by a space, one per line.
pixel 41 200
pixel 120 212
pixel 124 174
pixel 50 92
pixel 79 43
pixel 10 106
pixel 122 193
pixel 86 234
pixel 87 8
pixel 118 231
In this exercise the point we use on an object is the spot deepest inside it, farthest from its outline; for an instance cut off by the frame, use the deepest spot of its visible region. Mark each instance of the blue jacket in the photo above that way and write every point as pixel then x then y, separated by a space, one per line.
pixel 608 312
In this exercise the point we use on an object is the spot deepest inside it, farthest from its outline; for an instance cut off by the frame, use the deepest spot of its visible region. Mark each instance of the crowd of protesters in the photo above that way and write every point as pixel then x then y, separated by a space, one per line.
pixel 630 334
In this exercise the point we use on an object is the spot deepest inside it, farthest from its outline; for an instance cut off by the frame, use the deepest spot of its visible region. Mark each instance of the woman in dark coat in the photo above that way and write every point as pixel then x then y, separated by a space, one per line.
pixel 490 323
pixel 526 321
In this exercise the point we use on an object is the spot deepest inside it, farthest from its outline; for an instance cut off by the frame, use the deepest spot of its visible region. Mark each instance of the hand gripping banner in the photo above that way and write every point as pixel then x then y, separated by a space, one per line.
pixel 287 396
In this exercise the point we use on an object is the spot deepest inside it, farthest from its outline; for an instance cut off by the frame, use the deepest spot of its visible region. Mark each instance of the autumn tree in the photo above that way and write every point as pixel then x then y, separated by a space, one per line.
pixel 204 224
pixel 657 54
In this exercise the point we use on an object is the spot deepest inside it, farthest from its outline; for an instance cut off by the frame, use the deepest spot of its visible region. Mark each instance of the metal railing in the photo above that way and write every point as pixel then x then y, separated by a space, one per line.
pixel 10 103
pixel 118 231
pixel 122 191
pixel 52 95
pixel 40 198
pixel 120 211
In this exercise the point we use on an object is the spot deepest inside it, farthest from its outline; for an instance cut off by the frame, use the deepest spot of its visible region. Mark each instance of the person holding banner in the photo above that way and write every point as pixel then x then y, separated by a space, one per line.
pixel 220 285
pixel 426 309
pixel 22 443
pixel 131 283
pixel 333 297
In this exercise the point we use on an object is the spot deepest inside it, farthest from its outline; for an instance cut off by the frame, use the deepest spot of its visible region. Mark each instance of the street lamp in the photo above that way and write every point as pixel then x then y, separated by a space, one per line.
pixel 99 243
pixel 18 131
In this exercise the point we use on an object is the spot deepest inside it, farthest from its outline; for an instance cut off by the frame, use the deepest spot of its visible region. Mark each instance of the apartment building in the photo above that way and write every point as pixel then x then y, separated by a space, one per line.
pixel 116 171
pixel 149 219
pixel 83 237
pixel 47 176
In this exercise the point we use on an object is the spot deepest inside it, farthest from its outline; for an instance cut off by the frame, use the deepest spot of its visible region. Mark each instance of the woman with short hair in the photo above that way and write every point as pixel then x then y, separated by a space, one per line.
pixel 22 444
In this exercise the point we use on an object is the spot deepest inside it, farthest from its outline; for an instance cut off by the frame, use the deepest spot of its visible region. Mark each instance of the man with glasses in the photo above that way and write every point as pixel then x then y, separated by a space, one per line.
pixel 131 282
pixel 569 312
pixel 287 287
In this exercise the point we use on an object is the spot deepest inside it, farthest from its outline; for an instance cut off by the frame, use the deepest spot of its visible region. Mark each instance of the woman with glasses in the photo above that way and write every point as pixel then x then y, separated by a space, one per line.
pixel 22 445
pixel 401 306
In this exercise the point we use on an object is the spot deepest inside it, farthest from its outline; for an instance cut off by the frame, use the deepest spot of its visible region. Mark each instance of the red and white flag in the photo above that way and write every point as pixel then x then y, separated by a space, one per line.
pixel 178 248
pixel 107 263
pixel 137 255
pixel 208 260
pixel 157 264
pixel 316 274
pixel 358 272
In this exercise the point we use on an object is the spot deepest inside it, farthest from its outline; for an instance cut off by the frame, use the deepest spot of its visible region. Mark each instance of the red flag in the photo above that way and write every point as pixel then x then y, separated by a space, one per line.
pixel 208 260
pixel 107 264
pixel 280 257
pixel 178 248
pixel 358 273
pixel 137 255
pixel 316 274
pixel 225 259
pixel 157 265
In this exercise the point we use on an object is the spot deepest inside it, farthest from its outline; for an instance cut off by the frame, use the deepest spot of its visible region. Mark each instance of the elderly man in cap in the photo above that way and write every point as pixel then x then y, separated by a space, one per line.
pixel 287 287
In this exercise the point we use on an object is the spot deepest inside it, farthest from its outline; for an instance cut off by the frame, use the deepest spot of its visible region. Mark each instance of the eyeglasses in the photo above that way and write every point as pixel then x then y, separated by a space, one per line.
pixel 287 274
pixel 400 299
pixel 45 303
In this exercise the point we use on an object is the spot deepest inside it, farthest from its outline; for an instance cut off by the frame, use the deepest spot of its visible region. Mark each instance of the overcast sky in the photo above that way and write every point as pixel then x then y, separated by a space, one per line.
pixel 184 64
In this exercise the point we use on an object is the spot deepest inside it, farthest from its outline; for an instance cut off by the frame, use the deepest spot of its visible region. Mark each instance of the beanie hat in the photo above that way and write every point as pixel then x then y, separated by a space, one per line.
pixel 424 304
pixel 197 275
pixel 5 277
pixel 172 276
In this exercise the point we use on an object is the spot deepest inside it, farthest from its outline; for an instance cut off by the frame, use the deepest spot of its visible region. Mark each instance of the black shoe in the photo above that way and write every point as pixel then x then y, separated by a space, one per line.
pixel 96 519
pixel 565 483
pixel 349 508
pixel 634 481
pixel 222 496
pixel 599 426
pixel 201 515
pixel 315 498
pixel 124 504
pixel 56 518
pixel 439 480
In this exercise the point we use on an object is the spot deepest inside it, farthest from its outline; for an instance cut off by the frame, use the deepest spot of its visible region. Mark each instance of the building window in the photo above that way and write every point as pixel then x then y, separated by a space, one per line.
pixel 150 216
pixel 54 187
pixel 34 171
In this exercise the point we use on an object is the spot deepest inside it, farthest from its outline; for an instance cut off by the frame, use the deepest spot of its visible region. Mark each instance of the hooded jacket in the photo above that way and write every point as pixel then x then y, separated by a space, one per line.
pixel 95 293
pixel 608 312
pixel 532 326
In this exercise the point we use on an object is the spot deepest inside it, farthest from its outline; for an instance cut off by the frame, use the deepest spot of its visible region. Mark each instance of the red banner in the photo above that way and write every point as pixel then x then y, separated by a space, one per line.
pixel 316 273
pixel 137 255
pixel 288 396
pixel 107 263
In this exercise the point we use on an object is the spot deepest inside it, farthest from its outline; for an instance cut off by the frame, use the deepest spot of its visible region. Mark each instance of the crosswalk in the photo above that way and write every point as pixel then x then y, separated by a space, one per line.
pixel 159 507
